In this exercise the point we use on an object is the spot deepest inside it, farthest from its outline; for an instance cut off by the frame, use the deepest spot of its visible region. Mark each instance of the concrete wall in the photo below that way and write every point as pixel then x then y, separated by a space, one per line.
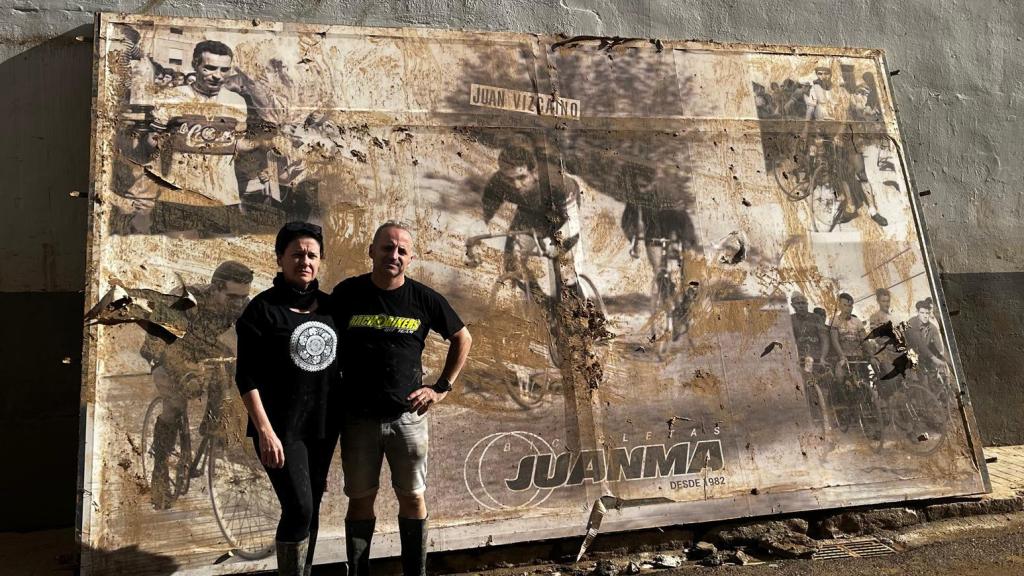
pixel 960 91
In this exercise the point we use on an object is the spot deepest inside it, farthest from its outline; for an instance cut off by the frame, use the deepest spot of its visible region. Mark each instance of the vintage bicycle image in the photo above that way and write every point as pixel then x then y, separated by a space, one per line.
pixel 189 446
pixel 819 147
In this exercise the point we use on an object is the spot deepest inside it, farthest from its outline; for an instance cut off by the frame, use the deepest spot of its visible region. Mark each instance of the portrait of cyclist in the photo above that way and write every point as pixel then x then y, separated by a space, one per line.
pixel 660 222
pixel 923 337
pixel 812 337
pixel 884 353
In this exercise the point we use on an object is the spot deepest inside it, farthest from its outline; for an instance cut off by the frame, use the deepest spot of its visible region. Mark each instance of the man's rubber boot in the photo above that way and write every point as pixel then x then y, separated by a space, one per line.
pixel 161 493
pixel 358 535
pixel 291 557
pixel 310 549
pixel 413 534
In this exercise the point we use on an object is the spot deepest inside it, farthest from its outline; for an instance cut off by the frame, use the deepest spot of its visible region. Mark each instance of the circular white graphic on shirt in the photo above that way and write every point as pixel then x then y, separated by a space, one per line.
pixel 313 346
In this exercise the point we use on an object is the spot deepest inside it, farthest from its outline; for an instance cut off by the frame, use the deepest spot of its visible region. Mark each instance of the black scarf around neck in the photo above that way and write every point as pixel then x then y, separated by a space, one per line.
pixel 290 296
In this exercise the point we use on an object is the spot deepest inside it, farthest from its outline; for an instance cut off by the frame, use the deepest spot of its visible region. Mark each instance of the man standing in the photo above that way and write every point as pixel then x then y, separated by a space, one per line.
pixel 848 339
pixel 881 316
pixel 384 318
pixel 192 364
pixel 812 345
pixel 924 339
pixel 884 354
pixel 812 337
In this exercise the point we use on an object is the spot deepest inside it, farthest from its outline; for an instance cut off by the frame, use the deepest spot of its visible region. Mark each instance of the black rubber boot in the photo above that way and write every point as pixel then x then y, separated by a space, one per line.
pixel 291 557
pixel 161 492
pixel 413 534
pixel 309 552
pixel 358 535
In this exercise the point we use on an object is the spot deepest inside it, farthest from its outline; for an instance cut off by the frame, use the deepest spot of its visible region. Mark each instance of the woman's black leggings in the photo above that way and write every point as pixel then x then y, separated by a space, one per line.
pixel 300 485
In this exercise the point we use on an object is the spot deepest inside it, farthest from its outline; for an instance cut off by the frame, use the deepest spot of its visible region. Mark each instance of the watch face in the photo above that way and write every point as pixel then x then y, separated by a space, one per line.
pixel 443 385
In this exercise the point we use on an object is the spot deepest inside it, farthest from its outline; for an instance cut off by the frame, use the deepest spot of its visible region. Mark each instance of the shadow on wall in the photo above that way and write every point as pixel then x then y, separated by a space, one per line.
pixel 987 311
pixel 44 155
pixel 55 552
pixel 129 560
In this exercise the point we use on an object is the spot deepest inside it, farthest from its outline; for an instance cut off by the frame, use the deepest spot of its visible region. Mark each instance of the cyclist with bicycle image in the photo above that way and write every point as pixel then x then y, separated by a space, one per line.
pixel 184 369
pixel 548 209
pixel 855 366
pixel 664 228
pixel 830 107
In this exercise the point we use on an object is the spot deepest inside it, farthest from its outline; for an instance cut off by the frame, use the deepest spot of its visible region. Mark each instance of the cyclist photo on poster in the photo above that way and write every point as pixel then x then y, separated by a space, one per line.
pixel 826 153
pixel 224 149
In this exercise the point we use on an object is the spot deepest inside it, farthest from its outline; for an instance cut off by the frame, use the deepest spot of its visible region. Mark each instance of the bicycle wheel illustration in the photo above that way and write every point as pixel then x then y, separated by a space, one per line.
pixel 870 418
pixel 843 401
pixel 816 403
pixel 921 416
pixel 792 179
pixel 662 323
pixel 531 391
pixel 177 457
pixel 244 504
pixel 591 293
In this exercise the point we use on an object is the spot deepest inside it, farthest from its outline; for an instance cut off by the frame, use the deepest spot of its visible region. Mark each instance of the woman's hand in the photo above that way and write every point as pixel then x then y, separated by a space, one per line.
pixel 271 449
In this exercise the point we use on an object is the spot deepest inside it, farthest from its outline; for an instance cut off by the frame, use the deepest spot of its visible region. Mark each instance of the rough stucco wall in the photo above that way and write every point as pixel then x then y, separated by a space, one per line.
pixel 960 91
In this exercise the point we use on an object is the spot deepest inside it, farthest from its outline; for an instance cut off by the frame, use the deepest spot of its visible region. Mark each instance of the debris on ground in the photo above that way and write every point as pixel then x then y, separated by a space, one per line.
pixel 781 538
pixel 605 568
pixel 666 561
pixel 863 522
pixel 701 550
pixel 741 558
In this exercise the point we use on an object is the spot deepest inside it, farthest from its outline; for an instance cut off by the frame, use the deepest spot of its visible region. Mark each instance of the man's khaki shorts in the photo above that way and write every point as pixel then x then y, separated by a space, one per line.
pixel 366 440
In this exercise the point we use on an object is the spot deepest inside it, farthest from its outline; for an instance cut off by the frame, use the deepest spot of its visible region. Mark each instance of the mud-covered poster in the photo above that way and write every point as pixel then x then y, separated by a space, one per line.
pixel 695 275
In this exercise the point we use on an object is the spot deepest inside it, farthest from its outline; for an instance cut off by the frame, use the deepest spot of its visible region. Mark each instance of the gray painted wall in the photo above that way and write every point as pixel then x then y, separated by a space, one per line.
pixel 960 92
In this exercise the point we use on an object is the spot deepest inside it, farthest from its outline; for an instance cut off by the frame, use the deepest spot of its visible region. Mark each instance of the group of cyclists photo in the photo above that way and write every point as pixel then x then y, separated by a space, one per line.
pixel 884 378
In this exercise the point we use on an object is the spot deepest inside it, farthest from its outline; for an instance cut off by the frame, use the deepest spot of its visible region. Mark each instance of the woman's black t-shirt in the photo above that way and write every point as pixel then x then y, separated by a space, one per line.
pixel 383 333
pixel 291 358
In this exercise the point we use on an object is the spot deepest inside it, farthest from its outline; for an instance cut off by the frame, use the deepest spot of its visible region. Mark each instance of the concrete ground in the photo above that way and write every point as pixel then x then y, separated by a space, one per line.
pixel 974 546
pixel 976 537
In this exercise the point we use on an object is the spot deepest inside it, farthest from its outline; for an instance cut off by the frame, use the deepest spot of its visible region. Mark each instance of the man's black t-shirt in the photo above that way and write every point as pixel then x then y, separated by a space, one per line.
pixel 291 358
pixel 383 333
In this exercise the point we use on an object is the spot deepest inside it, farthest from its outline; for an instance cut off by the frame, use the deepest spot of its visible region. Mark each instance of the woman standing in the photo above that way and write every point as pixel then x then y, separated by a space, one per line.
pixel 287 347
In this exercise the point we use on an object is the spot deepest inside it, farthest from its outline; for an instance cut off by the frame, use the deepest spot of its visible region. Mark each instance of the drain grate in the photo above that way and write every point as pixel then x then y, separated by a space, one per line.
pixel 853 548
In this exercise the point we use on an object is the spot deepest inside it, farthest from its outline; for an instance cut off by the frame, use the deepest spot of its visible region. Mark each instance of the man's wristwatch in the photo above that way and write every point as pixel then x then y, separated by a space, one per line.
pixel 442 386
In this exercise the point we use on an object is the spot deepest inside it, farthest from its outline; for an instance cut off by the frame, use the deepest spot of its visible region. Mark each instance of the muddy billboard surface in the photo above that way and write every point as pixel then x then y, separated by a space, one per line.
pixel 695 275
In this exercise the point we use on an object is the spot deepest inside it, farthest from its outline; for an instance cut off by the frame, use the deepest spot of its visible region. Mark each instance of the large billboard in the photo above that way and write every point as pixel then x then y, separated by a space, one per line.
pixel 696 276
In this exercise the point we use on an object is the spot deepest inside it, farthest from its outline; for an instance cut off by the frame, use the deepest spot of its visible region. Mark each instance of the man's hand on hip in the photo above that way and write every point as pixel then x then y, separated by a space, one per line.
pixel 423 398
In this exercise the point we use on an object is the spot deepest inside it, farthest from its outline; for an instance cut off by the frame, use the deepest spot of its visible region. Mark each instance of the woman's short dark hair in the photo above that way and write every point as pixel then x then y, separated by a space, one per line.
pixel 293 230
